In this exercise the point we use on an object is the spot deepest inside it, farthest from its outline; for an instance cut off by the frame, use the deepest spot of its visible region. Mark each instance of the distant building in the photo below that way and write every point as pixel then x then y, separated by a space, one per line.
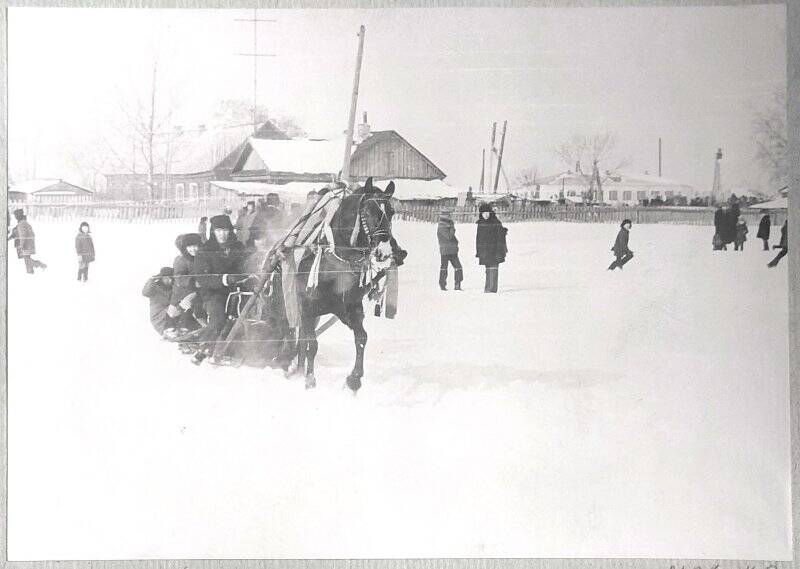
pixel 615 188
pixel 49 191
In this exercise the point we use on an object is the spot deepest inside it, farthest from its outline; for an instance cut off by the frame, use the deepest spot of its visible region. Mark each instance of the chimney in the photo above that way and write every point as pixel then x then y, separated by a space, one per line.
pixel 363 129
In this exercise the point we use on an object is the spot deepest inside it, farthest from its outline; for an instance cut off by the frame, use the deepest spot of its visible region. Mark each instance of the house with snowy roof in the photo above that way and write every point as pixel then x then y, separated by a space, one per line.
pixel 613 188
pixel 48 190
pixel 270 161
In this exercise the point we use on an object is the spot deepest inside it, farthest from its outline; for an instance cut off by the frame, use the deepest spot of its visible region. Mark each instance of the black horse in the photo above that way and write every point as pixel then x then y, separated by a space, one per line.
pixel 340 289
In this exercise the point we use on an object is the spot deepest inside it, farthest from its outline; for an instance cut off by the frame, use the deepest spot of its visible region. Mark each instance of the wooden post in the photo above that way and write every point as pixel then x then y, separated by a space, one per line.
pixel 491 153
pixel 348 143
pixel 483 169
pixel 500 156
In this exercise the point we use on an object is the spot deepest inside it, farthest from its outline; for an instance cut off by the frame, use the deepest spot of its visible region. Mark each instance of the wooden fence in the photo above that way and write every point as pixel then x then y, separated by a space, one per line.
pixel 573 214
pixel 139 212
pixel 150 212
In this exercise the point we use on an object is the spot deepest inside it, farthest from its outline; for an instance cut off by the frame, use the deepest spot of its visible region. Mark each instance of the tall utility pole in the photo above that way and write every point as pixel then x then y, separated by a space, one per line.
pixel 483 171
pixel 348 142
pixel 500 158
pixel 255 55
pixel 716 188
pixel 659 156
pixel 492 152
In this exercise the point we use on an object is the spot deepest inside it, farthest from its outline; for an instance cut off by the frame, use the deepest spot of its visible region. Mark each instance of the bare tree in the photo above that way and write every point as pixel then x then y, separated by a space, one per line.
pixel 527 177
pixel 587 150
pixel 770 133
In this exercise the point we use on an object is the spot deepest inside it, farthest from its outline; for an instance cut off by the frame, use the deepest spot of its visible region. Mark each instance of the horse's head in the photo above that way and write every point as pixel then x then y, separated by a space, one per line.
pixel 376 212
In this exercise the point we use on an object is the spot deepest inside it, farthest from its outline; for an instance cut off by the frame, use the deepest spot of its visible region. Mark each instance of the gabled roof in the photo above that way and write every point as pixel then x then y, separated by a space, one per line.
pixel 300 156
pixel 35 186
pixel 382 135
pixel 409 189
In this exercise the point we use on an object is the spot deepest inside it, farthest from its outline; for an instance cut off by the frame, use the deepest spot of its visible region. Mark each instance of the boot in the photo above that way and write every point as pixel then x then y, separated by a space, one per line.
pixel 458 287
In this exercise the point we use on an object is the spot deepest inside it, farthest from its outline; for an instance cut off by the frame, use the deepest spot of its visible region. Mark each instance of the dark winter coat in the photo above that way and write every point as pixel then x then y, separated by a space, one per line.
pixel 214 260
pixel 490 241
pixel 764 227
pixel 784 244
pixel 446 233
pixel 159 295
pixel 202 229
pixel 183 269
pixel 84 246
pixel 741 232
pixel 24 238
pixel 719 220
pixel 620 247
pixel 729 226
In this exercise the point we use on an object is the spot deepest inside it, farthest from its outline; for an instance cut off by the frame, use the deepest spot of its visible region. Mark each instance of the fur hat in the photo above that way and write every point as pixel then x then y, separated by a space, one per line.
pixel 166 272
pixel 221 222
pixel 624 221
pixel 19 215
pixel 273 199
pixel 485 207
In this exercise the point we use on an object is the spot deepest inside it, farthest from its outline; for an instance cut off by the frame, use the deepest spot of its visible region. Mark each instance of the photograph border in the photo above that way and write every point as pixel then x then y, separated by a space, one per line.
pixel 793 102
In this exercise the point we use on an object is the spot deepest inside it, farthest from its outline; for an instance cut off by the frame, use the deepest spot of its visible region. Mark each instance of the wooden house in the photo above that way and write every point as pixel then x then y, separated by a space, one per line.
pixel 48 191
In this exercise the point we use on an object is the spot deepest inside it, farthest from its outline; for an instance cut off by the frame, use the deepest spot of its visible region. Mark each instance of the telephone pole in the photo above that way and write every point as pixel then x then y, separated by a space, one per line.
pixel 255 55
pixel 348 143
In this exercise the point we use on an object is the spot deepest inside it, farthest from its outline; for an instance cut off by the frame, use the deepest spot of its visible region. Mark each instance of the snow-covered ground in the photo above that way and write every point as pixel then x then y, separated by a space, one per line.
pixel 576 413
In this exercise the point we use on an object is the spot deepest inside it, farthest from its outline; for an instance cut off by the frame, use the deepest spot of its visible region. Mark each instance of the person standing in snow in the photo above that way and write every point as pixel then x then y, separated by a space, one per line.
pixel 448 249
pixel 783 245
pixel 84 247
pixel 490 245
pixel 621 251
pixel 741 235
pixel 719 229
pixel 243 223
pixel 764 227
pixel 25 242
pixel 158 289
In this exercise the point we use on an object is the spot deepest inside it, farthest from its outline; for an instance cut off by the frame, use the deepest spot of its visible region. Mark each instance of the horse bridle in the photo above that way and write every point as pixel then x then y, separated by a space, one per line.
pixel 379 232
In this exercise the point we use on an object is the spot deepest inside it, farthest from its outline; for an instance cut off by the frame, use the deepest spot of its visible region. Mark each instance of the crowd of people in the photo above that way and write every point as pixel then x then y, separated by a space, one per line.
pixel 731 227
pixel 192 298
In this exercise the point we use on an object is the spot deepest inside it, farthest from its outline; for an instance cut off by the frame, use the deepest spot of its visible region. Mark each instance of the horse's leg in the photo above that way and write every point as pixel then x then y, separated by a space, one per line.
pixel 356 317
pixel 308 328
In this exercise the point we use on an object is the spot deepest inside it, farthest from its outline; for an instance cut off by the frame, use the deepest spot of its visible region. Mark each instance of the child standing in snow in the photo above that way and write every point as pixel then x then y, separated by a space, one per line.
pixel 741 235
pixel 84 247
pixel 620 248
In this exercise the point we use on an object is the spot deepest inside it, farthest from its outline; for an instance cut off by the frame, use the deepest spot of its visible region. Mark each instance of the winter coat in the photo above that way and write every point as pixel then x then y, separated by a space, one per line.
pixel 84 246
pixel 214 261
pixel 620 247
pixel 243 223
pixel 202 229
pixel 159 295
pixel 24 239
pixel 446 233
pixel 784 244
pixel 183 268
pixel 741 232
pixel 764 227
pixel 731 221
pixel 719 220
pixel 269 224
pixel 490 241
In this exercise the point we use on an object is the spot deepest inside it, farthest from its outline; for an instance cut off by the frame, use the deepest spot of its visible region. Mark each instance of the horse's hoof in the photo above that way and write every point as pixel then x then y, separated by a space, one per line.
pixel 354 383
pixel 311 382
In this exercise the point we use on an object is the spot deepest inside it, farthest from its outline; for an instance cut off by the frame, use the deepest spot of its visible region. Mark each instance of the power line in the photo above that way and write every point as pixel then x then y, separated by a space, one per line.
pixel 255 55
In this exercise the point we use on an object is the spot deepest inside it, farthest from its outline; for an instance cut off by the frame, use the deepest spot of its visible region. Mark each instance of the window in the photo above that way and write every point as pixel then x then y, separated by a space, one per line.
pixel 571 192
pixel 179 192
pixel 612 195
pixel 627 196
pixel 669 193
pixel 194 193
pixel 205 189
pixel 655 193
pixel 641 195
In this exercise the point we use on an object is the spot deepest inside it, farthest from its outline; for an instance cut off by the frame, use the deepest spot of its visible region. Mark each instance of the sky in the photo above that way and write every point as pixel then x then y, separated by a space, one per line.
pixel 440 77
